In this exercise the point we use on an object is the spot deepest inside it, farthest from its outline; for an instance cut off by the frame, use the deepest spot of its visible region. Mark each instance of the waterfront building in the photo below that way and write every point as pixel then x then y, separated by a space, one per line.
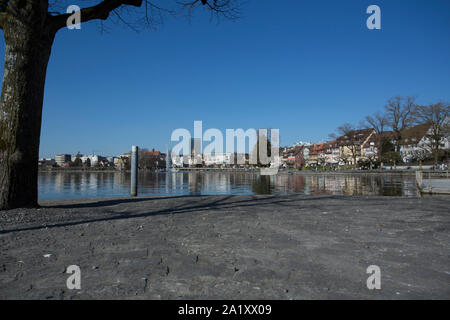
pixel 417 145
pixel 63 159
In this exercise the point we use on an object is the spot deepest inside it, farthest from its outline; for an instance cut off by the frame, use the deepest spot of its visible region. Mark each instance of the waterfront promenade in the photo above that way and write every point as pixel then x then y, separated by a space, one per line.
pixel 228 247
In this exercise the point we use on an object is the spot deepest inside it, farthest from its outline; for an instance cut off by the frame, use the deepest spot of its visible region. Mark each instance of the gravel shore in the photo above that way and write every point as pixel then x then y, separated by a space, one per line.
pixel 228 247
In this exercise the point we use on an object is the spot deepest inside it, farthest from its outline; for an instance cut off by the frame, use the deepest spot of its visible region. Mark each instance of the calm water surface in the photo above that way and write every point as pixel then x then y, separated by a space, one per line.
pixel 54 185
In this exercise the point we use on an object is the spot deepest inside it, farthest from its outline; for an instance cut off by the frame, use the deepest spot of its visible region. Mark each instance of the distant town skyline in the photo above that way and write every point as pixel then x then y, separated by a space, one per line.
pixel 303 67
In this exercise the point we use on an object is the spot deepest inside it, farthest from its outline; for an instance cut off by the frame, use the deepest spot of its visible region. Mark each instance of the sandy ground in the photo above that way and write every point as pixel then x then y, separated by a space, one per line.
pixel 228 247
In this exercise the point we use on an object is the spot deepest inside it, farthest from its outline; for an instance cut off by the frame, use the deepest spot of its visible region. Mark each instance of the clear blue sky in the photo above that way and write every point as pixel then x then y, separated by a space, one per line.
pixel 304 67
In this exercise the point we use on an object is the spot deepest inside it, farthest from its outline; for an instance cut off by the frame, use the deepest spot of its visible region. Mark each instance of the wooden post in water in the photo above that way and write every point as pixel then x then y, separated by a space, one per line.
pixel 134 171
pixel 429 182
pixel 419 178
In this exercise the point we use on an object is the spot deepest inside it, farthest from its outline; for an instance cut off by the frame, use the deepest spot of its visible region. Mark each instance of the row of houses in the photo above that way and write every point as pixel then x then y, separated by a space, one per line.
pixel 362 146
pixel 351 149
pixel 120 162
pixel 66 160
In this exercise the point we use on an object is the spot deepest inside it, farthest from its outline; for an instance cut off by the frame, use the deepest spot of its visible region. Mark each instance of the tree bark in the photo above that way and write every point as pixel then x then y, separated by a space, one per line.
pixel 436 149
pixel 27 51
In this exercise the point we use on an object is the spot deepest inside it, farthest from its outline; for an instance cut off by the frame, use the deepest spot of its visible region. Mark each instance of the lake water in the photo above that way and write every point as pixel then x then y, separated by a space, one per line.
pixel 54 185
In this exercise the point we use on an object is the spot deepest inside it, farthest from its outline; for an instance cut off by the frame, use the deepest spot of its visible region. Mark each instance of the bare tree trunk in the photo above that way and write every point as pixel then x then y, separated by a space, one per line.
pixel 27 51
pixel 436 151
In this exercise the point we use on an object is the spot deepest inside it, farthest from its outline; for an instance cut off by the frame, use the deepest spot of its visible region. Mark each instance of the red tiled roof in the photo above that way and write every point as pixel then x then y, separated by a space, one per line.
pixel 153 153
pixel 414 134
pixel 355 136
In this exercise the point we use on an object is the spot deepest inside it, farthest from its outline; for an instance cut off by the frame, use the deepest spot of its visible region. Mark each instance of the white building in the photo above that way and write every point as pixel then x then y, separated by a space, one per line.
pixel 94 159
pixel 416 144
pixel 218 159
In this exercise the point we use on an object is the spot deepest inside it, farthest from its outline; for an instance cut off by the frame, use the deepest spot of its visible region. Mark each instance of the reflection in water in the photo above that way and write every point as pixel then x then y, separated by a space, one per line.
pixel 262 185
pixel 109 184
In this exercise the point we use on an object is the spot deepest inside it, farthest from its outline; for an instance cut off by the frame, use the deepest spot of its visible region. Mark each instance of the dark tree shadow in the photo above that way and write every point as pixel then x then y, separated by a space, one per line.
pixel 218 204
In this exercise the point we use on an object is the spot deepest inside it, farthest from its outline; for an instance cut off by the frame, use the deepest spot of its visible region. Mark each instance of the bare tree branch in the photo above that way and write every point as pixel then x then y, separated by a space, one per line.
pixel 399 113
pixel 100 11
pixel 378 122
pixel 152 12
pixel 437 117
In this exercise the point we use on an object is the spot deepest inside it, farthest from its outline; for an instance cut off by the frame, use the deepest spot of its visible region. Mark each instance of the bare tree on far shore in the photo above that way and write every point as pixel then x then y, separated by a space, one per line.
pixel 437 116
pixel 379 123
pixel 399 113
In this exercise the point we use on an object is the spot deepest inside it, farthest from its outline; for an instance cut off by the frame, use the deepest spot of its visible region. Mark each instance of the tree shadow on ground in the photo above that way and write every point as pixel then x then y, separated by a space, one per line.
pixel 112 202
pixel 217 204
